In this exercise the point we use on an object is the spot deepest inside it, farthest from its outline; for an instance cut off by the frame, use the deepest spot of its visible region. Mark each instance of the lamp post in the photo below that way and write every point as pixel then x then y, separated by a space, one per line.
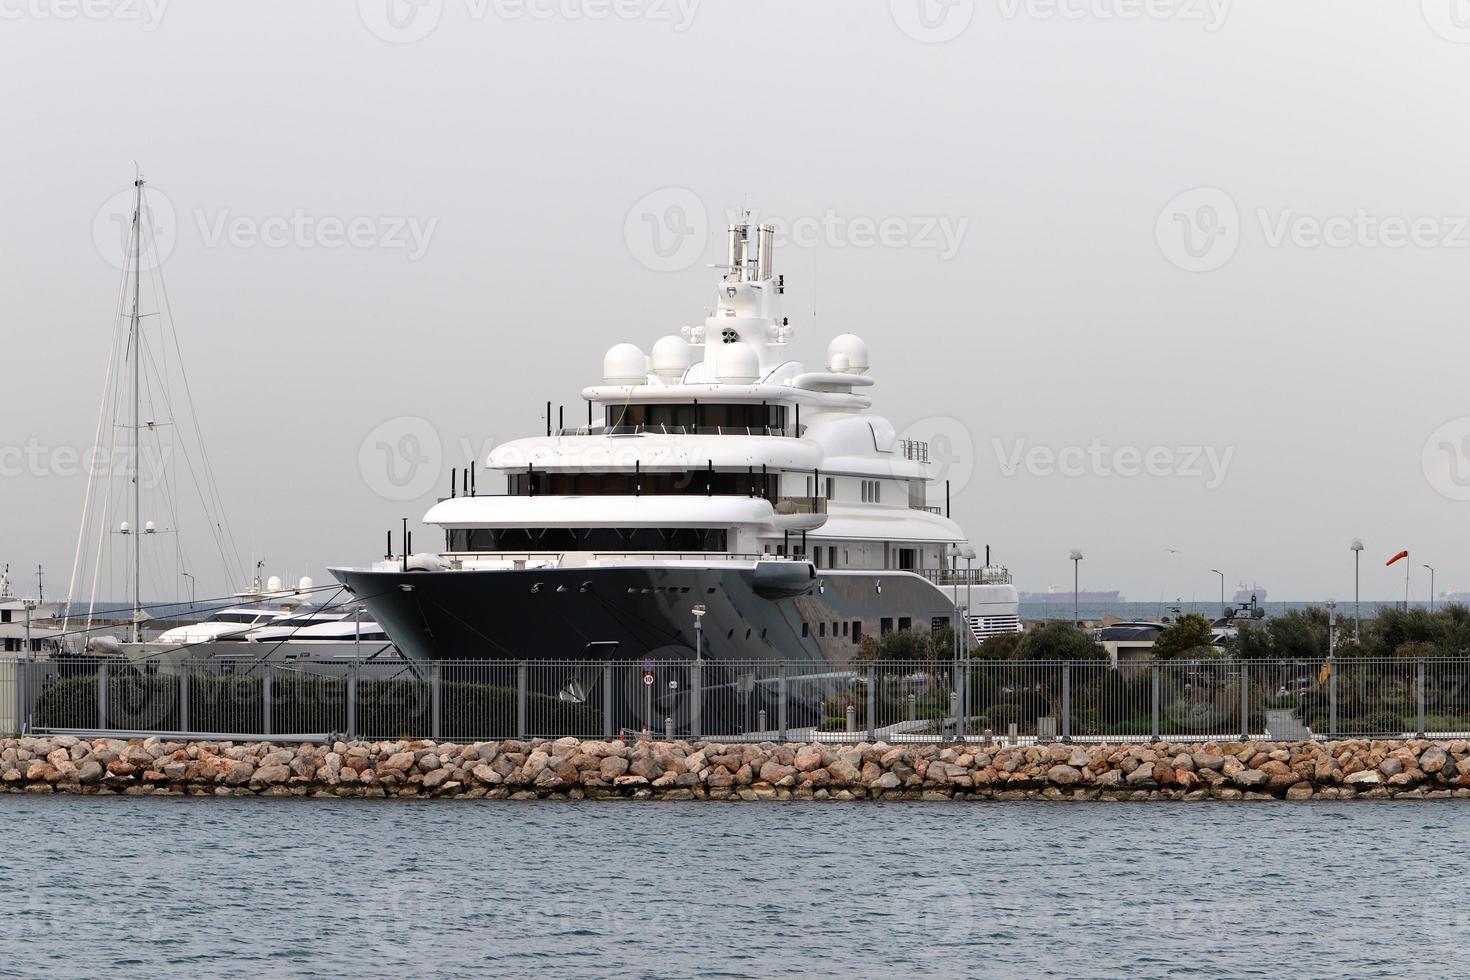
pixel 698 612
pixel 191 588
pixel 1222 589
pixel 954 552
pixel 1076 557
pixel 1357 547
pixel 968 554
pixel 1431 587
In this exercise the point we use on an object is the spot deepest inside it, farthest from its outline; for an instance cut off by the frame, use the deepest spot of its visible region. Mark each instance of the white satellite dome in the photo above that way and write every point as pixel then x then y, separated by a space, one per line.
pixel 853 349
pixel 273 584
pixel 671 358
pixel 125 527
pixel 738 364
pixel 625 364
pixel 305 584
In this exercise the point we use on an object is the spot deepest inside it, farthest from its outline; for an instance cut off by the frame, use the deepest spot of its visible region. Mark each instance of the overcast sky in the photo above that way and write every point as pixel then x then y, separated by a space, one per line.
pixel 1169 275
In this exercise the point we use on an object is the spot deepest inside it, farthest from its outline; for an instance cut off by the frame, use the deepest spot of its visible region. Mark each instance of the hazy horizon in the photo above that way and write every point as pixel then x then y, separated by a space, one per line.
pixel 1174 284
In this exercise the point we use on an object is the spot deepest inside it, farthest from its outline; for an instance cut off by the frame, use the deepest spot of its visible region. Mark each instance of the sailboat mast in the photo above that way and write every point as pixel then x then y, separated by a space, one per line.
pixel 137 343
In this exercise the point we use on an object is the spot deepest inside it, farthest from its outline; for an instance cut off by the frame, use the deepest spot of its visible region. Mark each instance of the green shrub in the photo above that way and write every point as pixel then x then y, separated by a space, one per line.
pixel 393 708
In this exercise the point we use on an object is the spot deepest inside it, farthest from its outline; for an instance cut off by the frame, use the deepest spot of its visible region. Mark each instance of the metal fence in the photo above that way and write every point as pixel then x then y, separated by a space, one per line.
pixel 752 701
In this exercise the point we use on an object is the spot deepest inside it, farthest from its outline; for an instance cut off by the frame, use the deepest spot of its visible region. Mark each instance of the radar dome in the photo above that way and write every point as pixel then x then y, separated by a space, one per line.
pixel 738 364
pixel 273 584
pixel 853 349
pixel 625 364
pixel 671 358
pixel 305 583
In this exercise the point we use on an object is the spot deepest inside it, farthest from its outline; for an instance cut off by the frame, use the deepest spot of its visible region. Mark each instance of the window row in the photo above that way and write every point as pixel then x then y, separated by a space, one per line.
pixel 587 539
pixel 699 416
pixel 623 484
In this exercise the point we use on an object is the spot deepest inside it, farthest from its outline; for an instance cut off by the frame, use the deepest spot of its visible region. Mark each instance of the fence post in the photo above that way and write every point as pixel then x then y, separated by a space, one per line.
pixel 267 681
pixel 352 704
pixel 962 716
pixel 102 696
pixel 781 696
pixel 1420 697
pixel 436 701
pixel 1245 701
pixel 696 699
pixel 1154 711
pixel 1067 702
pixel 852 719
pixel 184 720
pixel 22 677
pixel 872 703
pixel 1332 697
pixel 523 697
pixel 607 705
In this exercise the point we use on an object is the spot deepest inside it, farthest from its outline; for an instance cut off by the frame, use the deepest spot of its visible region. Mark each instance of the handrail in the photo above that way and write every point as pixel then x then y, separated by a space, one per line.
pixel 995 575
pixel 938 576
pixel 915 449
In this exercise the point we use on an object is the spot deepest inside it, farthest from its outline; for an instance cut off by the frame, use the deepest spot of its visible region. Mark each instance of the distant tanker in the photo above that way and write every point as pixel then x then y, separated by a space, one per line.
pixel 1244 594
pixel 1060 596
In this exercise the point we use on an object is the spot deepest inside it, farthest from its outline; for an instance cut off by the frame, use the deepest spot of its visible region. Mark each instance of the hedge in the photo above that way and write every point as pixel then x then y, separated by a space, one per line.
pixel 395 708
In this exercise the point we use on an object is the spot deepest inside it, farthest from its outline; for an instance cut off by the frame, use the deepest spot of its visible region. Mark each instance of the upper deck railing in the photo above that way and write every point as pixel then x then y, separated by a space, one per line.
pixel 994 575
pixel 915 450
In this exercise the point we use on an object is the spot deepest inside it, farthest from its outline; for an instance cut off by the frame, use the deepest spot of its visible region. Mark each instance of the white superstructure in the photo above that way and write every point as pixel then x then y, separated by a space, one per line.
pixel 717 443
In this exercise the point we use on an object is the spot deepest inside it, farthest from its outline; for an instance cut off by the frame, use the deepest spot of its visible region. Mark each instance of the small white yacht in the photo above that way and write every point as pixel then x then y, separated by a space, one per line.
pixel 27 626
pixel 726 489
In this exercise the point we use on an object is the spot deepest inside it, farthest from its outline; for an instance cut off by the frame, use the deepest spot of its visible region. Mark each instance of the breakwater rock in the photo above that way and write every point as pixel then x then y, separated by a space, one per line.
pixel 586 769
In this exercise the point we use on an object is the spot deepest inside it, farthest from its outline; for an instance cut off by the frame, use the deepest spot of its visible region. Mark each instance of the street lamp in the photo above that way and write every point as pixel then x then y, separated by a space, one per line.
pixel 698 612
pixel 1222 590
pixel 1076 557
pixel 191 588
pixel 1431 587
pixel 968 554
pixel 1357 547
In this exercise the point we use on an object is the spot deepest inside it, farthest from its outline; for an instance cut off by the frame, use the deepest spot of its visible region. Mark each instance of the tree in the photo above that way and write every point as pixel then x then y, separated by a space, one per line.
pixel 1184 639
pixel 1059 641
pixel 1002 646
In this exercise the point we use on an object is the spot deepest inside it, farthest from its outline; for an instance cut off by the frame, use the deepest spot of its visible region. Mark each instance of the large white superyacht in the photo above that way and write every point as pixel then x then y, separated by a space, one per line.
pixel 731 504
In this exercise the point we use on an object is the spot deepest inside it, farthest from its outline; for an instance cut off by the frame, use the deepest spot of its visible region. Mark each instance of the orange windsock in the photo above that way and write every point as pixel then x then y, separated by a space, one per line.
pixel 1401 554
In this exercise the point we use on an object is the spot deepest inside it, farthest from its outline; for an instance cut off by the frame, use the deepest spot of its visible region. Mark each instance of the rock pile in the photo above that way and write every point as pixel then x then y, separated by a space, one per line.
pixel 577 769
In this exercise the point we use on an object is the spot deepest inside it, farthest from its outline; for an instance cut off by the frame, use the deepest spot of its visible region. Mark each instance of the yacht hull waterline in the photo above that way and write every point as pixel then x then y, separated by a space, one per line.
pixel 636 612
